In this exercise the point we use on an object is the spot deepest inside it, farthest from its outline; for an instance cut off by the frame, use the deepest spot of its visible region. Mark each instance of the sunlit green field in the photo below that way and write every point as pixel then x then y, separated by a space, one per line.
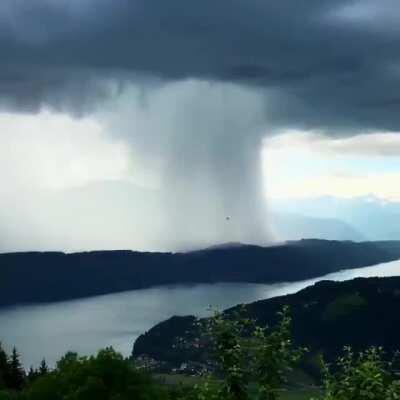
pixel 300 394
pixel 177 379
pixel 291 394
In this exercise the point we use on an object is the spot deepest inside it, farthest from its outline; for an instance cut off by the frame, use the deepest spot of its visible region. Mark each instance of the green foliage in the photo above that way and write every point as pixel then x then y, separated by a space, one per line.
pixel 34 374
pixel 5 395
pixel 252 363
pixel 231 353
pixel 15 376
pixel 344 306
pixel 274 356
pixel 43 368
pixel 46 388
pixel 12 374
pixel 250 359
pixel 362 376
pixel 4 368
pixel 106 376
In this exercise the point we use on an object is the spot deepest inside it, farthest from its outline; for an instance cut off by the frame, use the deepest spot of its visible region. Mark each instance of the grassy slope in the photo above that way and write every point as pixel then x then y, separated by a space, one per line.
pixel 287 394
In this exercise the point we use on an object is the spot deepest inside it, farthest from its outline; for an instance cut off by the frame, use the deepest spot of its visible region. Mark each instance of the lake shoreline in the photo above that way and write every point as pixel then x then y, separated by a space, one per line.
pixel 86 325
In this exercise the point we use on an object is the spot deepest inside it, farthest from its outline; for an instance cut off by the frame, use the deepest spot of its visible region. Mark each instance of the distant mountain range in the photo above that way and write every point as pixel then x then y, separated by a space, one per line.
pixel 291 226
pixel 47 277
pixel 358 218
pixel 326 317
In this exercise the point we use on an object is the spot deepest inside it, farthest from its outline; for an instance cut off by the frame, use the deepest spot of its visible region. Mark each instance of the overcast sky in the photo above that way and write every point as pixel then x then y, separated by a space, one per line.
pixel 346 167
pixel 146 123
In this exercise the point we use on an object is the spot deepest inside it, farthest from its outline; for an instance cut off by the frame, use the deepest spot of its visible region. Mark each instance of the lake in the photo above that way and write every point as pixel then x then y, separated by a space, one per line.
pixel 86 325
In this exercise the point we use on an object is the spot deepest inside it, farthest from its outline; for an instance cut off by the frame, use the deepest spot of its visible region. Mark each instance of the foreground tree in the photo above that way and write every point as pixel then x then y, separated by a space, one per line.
pixel 251 362
pixel 32 375
pixel 249 358
pixel 16 378
pixel 4 368
pixel 35 373
pixel 43 368
pixel 362 376
pixel 105 376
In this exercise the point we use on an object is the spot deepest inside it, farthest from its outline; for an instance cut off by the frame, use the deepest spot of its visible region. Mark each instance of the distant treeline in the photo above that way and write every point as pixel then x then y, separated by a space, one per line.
pixel 106 376
pixel 53 276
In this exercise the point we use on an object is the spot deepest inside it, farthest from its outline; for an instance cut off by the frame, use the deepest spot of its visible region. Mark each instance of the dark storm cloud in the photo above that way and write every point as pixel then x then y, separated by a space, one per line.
pixel 329 63
pixel 225 73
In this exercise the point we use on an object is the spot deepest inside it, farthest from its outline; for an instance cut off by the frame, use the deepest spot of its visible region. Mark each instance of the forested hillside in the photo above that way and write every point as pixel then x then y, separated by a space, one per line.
pixel 46 277
pixel 326 317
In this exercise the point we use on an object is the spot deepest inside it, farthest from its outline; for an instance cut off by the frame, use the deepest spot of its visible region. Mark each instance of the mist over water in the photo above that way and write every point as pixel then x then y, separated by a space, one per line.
pixel 116 320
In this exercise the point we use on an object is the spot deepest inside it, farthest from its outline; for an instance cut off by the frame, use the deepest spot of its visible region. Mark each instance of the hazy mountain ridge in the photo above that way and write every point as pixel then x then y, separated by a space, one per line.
pixel 292 226
pixel 368 216
pixel 58 276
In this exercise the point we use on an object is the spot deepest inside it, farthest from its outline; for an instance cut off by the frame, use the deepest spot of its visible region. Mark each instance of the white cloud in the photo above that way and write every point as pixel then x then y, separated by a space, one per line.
pixel 378 144
pixel 383 186
pixel 370 14
pixel 54 151
pixel 305 164
pixel 371 144
pixel 67 185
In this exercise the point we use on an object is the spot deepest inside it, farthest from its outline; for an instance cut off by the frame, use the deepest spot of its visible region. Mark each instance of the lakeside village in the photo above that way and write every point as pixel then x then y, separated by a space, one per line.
pixel 188 368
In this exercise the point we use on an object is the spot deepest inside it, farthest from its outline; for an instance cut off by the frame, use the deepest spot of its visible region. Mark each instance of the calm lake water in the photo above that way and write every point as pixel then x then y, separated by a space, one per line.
pixel 87 325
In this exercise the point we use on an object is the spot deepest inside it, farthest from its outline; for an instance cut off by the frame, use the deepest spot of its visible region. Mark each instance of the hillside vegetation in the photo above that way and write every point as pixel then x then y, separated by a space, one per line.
pixel 326 317
pixel 250 362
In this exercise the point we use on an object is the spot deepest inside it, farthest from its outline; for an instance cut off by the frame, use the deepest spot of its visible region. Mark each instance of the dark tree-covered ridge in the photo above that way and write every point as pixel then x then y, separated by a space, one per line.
pixel 55 276
pixel 326 317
